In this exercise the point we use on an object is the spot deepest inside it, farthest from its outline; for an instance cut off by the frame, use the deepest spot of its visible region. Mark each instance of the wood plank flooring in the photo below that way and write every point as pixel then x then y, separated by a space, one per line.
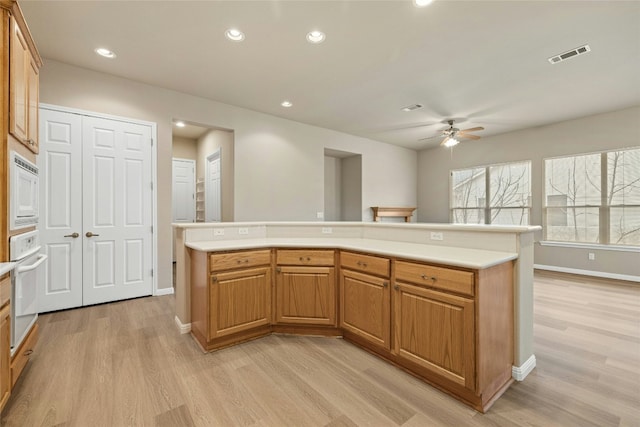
pixel 124 364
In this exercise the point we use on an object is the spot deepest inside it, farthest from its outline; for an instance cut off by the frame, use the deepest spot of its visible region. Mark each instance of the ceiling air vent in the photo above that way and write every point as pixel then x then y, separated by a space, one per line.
pixel 412 107
pixel 570 54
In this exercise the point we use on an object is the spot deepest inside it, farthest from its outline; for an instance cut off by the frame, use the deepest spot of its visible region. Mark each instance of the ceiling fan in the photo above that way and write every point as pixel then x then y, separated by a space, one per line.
pixel 452 134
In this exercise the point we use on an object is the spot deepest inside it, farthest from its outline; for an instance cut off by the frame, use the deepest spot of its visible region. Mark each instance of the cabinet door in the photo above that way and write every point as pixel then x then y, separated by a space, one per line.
pixel 18 109
pixel 306 295
pixel 239 301
pixel 436 331
pixel 5 355
pixel 32 118
pixel 365 307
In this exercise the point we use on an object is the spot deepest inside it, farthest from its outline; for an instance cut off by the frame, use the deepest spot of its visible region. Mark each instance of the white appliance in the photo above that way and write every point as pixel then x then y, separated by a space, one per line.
pixel 24 193
pixel 24 250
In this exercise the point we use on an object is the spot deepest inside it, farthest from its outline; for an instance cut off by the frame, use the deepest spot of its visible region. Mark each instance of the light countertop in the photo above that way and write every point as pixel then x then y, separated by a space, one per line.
pixel 6 267
pixel 455 256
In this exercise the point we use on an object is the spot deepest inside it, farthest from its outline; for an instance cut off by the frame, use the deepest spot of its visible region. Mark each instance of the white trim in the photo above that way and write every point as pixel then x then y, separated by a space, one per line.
pixel 154 171
pixel 593 273
pixel 578 245
pixel 184 328
pixel 519 373
pixel 164 291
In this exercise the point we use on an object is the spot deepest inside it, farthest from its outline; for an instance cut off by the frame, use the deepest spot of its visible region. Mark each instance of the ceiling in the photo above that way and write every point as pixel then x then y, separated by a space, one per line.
pixel 481 62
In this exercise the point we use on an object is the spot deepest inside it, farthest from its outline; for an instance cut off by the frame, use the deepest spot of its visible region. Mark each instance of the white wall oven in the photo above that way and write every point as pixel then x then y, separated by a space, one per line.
pixel 24 193
pixel 25 251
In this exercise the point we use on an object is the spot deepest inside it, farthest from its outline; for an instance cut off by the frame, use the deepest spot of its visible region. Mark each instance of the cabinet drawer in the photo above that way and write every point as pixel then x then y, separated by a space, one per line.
pixel 365 263
pixel 22 356
pixel 305 257
pixel 242 259
pixel 436 277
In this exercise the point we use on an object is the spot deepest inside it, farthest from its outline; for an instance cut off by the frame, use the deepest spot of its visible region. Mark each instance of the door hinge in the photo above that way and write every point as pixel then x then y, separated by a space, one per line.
pixel 152 229
pixel 152 142
pixel 152 272
pixel 151 185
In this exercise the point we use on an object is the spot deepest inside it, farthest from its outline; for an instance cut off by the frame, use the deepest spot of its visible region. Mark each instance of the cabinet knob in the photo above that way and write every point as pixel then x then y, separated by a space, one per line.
pixel 278 270
pixel 214 278
pixel 385 283
pixel 396 287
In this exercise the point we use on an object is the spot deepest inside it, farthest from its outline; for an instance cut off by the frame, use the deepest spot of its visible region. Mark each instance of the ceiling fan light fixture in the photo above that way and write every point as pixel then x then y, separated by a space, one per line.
pixel 451 142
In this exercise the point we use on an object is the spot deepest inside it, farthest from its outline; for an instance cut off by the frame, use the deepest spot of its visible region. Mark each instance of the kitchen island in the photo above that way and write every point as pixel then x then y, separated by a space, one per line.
pixel 436 300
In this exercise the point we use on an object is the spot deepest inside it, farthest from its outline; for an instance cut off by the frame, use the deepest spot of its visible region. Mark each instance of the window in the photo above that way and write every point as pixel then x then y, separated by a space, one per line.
pixel 509 194
pixel 593 198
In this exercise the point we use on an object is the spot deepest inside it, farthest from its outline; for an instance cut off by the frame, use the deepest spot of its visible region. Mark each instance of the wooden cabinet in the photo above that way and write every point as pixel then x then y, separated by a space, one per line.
pixel 23 354
pixel 230 296
pixel 456 327
pixel 23 87
pixel 436 331
pixel 5 340
pixel 365 298
pixel 306 287
pixel 239 301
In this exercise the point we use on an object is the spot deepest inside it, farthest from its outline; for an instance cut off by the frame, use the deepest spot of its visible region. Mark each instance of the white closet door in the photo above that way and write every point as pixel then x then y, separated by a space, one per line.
pixel 60 165
pixel 183 190
pixel 117 215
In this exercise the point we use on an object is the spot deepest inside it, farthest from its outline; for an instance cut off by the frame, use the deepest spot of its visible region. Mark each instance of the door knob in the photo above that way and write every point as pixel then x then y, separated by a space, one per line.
pixel 90 234
pixel 74 235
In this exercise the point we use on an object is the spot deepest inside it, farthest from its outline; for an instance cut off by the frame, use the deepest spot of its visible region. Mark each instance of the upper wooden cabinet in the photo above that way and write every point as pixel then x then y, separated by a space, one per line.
pixel 24 83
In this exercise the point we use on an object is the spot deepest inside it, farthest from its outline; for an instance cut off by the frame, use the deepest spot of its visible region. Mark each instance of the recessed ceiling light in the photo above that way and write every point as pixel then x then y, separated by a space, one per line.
pixel 286 104
pixel 422 3
pixel 105 52
pixel 315 37
pixel 234 34
pixel 180 124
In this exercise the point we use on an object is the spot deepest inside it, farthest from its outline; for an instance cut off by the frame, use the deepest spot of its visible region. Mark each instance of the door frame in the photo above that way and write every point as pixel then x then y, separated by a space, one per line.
pixel 217 154
pixel 154 180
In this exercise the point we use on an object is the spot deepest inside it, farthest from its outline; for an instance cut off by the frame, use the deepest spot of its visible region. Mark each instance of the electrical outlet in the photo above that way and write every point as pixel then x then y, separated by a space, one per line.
pixel 243 230
pixel 592 256
pixel 437 235
pixel 320 215
pixel 218 231
pixel 327 230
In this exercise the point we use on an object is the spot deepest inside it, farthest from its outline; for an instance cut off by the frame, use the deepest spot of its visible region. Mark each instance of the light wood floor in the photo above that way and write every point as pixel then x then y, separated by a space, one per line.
pixel 125 364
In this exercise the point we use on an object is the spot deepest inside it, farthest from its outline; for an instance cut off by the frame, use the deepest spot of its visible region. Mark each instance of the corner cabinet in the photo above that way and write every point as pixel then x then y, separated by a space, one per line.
pixel 306 287
pixel 24 65
pixel 231 301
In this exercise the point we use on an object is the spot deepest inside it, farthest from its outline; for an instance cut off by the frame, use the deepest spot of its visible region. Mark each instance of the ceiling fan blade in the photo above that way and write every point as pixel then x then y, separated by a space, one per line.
pixel 473 129
pixel 465 135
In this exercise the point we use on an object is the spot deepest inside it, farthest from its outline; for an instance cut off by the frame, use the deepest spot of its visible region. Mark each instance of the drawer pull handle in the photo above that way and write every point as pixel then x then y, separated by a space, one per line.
pixel 302 259
pixel 362 264
pixel 425 277
pixel 28 353
pixel 241 261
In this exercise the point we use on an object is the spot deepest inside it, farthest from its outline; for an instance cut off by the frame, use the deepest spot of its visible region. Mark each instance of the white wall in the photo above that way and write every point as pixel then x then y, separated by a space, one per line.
pixel 185 148
pixel 587 134
pixel 279 164
pixel 333 188
pixel 351 195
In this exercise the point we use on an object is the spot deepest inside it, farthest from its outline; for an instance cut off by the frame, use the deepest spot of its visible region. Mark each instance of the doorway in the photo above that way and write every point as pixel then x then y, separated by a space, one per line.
pixel 342 186
pixel 212 211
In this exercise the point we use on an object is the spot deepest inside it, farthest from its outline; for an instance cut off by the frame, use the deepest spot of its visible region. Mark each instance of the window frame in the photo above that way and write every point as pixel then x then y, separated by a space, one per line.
pixel 485 212
pixel 604 209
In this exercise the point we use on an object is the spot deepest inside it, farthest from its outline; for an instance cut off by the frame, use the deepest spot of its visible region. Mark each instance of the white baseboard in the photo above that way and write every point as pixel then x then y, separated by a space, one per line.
pixel 588 272
pixel 164 291
pixel 519 373
pixel 184 328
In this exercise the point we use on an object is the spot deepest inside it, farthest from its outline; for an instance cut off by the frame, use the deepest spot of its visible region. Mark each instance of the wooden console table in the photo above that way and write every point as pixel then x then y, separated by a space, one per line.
pixel 379 211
